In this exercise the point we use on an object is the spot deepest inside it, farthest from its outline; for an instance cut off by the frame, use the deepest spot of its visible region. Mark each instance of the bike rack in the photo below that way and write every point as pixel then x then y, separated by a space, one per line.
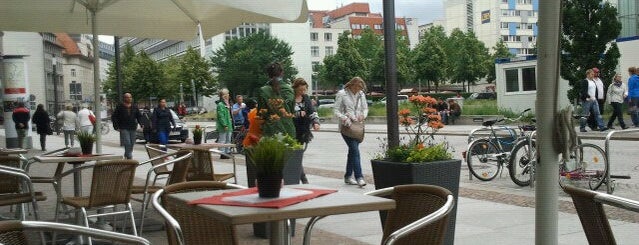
pixel 607 155
pixel 486 131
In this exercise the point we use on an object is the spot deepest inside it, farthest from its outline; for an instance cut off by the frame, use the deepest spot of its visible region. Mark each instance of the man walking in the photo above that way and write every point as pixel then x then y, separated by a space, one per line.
pixel 21 117
pixel 126 118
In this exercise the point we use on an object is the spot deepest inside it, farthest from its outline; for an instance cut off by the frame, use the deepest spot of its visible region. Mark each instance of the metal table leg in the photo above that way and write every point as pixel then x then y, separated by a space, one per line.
pixel 279 233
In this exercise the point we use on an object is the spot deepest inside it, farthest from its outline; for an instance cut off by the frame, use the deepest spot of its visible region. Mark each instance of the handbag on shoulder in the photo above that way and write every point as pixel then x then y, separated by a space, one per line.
pixel 356 130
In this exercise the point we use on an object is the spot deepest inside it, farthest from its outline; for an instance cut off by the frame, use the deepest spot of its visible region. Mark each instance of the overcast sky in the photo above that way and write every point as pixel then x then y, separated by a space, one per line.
pixel 424 10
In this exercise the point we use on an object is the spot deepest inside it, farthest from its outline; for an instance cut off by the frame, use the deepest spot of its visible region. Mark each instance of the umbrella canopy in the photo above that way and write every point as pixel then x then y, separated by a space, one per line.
pixel 163 19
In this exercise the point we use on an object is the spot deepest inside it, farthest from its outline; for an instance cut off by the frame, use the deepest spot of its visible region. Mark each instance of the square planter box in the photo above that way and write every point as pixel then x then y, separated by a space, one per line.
pixel 441 173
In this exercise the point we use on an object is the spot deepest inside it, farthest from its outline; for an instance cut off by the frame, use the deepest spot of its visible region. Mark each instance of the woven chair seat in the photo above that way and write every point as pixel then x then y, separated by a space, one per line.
pixel 17 198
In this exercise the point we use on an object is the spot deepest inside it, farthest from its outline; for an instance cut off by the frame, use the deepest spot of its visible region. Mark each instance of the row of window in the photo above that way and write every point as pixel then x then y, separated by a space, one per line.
pixel 512 12
pixel 328 50
pixel 75 91
pixel 508 38
pixel 327 36
pixel 519 1
pixel 375 27
pixel 521 79
pixel 524 26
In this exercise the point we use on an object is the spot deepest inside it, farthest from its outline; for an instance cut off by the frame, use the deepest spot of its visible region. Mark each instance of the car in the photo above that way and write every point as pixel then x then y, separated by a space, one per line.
pixel 325 101
pixel 180 132
pixel 400 99
pixel 482 96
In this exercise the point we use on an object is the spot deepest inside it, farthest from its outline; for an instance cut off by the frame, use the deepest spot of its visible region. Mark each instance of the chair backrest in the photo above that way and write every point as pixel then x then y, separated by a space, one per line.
pixel 180 167
pixel 414 202
pixel 153 150
pixel 196 227
pixel 9 183
pixel 201 168
pixel 592 216
pixel 112 182
pixel 13 232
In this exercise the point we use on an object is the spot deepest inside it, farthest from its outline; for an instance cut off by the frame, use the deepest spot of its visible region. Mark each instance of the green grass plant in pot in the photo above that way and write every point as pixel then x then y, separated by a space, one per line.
pixel 197 135
pixel 86 140
pixel 269 156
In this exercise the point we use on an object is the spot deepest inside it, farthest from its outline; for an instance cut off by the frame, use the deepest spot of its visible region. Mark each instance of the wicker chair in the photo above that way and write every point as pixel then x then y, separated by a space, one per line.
pixel 190 226
pixel 589 206
pixel 420 215
pixel 178 174
pixel 15 232
pixel 16 187
pixel 111 186
pixel 201 168
pixel 47 179
pixel 155 150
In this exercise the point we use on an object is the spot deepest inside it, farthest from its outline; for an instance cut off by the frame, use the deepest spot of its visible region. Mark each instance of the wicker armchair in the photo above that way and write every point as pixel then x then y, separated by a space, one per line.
pixel 47 179
pixel 155 150
pixel 16 187
pixel 189 226
pixel 420 215
pixel 589 206
pixel 201 168
pixel 178 174
pixel 111 186
pixel 15 232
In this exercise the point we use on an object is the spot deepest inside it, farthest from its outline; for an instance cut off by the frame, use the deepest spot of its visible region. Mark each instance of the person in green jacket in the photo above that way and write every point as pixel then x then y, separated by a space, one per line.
pixel 276 101
pixel 224 125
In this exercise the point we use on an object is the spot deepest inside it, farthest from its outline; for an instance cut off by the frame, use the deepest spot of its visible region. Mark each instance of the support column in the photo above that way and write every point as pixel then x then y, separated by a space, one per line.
pixel 15 84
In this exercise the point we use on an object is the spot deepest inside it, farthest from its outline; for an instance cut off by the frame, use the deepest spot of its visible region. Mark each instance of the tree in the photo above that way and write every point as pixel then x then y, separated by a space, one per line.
pixel 240 63
pixel 128 54
pixel 345 64
pixel 500 52
pixel 145 78
pixel 589 27
pixel 430 60
pixel 468 58
pixel 193 67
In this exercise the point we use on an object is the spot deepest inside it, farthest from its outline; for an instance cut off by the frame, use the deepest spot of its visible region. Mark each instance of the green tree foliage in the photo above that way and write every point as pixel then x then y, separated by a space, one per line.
pixel 468 58
pixel 240 63
pixel 110 84
pixel 344 65
pixel 145 78
pixel 588 28
pixel 193 67
pixel 500 52
pixel 430 59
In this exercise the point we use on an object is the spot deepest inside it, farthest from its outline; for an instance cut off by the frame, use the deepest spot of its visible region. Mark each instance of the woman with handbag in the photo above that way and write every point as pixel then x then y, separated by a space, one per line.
pixel 305 117
pixel 43 125
pixel 351 109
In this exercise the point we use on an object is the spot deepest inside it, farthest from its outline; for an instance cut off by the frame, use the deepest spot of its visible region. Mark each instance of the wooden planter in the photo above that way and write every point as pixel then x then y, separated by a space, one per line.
pixel 441 173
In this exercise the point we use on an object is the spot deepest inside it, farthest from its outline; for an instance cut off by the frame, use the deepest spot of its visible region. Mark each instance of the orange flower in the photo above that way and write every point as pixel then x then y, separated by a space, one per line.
pixel 404 112
pixel 429 110
pixel 434 117
pixel 275 117
pixel 420 146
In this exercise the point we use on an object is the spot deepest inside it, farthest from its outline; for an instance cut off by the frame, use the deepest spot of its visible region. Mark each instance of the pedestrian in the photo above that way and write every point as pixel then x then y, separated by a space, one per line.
pixel 442 110
pixel 224 123
pixel 350 106
pixel 236 111
pixel 43 125
pixel 181 110
pixel 162 122
pixel 589 102
pixel 21 116
pixel 254 128
pixel 69 122
pixel 305 117
pixel 601 98
pixel 454 111
pixel 86 119
pixel 633 94
pixel 275 90
pixel 147 125
pixel 617 93
pixel 126 118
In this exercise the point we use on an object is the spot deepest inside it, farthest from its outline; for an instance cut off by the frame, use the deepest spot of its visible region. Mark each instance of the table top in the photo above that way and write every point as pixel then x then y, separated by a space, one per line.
pixel 60 158
pixel 341 202
pixel 10 151
pixel 205 146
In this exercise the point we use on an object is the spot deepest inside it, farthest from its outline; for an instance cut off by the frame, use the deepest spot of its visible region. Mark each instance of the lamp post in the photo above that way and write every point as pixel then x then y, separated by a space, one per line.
pixel 55 87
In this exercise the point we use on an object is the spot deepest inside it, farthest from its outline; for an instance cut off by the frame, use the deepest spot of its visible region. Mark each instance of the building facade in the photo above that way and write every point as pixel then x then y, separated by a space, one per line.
pixel 78 69
pixel 628 11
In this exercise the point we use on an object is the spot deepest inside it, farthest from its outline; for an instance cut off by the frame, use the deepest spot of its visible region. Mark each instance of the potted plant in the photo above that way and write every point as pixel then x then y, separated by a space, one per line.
pixel 86 140
pixel 197 135
pixel 419 159
pixel 268 159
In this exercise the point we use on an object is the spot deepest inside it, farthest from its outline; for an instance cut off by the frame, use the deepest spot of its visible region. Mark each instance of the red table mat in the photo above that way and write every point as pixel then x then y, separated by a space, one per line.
pixel 274 203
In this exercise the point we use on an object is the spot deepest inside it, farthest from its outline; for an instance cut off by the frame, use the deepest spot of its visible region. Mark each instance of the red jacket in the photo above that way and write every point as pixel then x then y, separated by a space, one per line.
pixel 22 116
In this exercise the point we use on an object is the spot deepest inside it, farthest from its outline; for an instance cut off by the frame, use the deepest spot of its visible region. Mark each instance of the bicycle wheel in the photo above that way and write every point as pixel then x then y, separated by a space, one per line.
pixel 483 159
pixel 586 168
pixel 520 166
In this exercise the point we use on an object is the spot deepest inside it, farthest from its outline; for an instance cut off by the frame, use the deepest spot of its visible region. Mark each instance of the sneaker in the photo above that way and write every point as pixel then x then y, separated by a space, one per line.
pixel 611 127
pixel 583 130
pixel 350 181
pixel 224 157
pixel 603 129
pixel 361 182
pixel 624 127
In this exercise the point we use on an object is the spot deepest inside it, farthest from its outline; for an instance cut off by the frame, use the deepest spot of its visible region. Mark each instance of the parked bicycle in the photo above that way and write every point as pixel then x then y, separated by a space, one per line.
pixel 486 156
pixel 104 127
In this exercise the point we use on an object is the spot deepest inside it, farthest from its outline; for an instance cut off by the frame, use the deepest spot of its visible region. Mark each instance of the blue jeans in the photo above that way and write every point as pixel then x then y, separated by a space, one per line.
pixel 127 139
pixel 353 159
pixel 224 138
pixel 634 112
pixel 589 106
pixel 163 137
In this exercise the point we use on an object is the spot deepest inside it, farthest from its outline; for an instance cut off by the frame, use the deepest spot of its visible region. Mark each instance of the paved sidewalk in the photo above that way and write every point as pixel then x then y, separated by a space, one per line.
pixel 489 219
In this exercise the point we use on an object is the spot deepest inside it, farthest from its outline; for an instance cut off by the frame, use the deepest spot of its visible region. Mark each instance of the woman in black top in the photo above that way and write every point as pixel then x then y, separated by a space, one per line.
pixel 162 122
pixel 43 125
pixel 305 117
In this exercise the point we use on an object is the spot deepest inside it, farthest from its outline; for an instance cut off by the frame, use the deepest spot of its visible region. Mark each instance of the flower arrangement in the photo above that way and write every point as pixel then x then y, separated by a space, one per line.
pixel 421 123
pixel 197 134
pixel 270 154
pixel 275 117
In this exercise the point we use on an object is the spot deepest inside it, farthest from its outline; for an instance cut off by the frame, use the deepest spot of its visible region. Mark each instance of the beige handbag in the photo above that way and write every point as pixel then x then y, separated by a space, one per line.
pixel 356 129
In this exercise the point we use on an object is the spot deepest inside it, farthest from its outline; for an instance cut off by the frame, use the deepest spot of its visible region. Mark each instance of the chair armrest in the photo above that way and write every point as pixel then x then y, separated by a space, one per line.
pixel 429 219
pixel 617 201
pixel 232 157
pixel 169 219
pixel 158 158
pixel 31 160
pixel 20 174
pixel 170 162
pixel 9 168
pixel 73 170
pixel 108 235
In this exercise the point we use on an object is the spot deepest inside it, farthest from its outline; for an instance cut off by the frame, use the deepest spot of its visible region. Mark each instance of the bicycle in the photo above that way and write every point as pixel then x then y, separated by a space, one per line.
pixel 486 156
pixel 104 126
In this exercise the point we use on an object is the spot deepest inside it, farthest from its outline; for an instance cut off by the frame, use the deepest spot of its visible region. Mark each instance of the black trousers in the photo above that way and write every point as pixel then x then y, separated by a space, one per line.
pixel 43 141
pixel 616 114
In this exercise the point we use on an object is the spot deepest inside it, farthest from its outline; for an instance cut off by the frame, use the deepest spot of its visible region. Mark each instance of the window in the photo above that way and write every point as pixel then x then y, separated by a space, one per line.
pixel 521 79
pixel 314 36
pixel 73 74
pixel 504 25
pixel 315 65
pixel 315 51
pixel 329 50
pixel 328 36
pixel 378 27
pixel 75 91
pixel 512 80
pixel 399 27
pixel 356 26
pixel 529 78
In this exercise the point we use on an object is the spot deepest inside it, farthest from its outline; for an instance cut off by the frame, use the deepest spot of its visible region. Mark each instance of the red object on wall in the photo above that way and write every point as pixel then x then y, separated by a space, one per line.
pixel 15 90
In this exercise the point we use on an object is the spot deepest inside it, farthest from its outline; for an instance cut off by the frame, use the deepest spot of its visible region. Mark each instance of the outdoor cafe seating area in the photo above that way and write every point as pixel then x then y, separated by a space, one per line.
pixel 173 209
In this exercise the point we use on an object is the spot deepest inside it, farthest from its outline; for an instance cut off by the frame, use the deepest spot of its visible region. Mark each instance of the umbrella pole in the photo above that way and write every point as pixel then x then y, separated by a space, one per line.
pixel 96 83
pixel 546 196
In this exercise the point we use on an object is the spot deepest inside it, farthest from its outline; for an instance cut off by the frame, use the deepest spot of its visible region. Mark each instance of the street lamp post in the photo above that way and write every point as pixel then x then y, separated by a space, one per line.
pixel 55 87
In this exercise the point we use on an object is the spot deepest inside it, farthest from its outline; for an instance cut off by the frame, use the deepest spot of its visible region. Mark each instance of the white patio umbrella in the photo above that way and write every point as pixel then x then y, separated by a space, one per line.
pixel 162 19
